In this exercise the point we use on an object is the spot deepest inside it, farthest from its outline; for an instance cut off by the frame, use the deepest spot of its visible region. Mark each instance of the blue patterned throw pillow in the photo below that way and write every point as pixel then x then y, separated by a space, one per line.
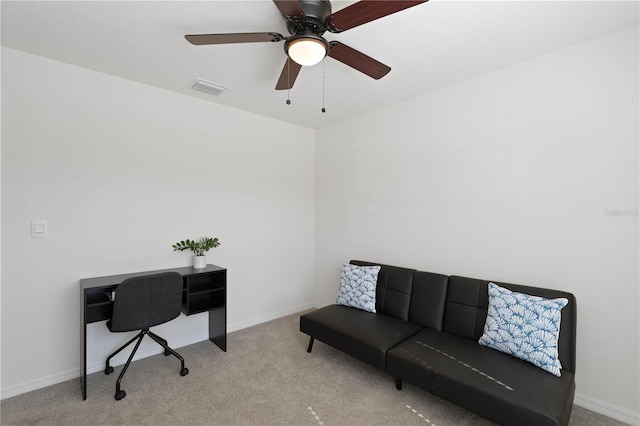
pixel 524 326
pixel 358 287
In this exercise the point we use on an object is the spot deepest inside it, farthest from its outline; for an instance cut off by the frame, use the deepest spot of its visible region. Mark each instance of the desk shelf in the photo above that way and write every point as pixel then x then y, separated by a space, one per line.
pixel 97 304
pixel 98 296
pixel 203 301
pixel 204 292
pixel 206 282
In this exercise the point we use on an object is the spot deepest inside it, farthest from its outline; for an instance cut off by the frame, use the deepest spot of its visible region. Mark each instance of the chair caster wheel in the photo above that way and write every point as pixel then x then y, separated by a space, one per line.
pixel 120 394
pixel 184 371
pixel 108 370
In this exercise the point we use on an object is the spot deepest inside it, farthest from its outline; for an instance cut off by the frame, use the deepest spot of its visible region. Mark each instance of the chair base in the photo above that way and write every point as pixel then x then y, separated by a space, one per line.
pixel 159 340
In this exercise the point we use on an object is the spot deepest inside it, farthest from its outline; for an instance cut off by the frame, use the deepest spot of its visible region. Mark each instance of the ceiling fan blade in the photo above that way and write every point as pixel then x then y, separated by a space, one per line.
pixel 365 11
pixel 201 39
pixel 358 60
pixel 288 75
pixel 289 7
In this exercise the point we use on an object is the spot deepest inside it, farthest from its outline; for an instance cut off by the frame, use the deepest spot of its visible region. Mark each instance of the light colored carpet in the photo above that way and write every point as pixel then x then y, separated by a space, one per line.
pixel 265 378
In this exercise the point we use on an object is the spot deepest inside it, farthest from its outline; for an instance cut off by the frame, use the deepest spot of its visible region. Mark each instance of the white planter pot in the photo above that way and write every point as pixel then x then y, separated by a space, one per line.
pixel 199 262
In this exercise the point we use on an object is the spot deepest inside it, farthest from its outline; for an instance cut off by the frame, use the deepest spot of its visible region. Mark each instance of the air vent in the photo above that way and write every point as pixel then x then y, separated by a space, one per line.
pixel 208 87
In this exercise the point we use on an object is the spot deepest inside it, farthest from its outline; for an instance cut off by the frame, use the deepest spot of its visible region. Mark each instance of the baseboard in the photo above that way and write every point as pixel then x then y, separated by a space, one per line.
pixel 95 367
pixel 269 317
pixel 39 383
pixel 607 409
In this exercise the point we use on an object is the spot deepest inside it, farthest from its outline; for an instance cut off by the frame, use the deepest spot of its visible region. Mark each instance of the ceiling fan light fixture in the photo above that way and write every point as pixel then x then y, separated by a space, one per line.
pixel 306 49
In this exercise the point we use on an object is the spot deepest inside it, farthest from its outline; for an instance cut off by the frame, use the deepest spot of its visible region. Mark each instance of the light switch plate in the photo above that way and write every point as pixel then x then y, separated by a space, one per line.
pixel 39 229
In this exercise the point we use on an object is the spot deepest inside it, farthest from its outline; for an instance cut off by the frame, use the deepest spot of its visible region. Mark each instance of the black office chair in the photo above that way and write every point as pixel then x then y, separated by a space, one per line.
pixel 140 303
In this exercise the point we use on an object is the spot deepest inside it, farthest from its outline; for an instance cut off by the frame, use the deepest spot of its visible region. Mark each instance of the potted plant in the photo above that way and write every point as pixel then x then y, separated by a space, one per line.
pixel 199 249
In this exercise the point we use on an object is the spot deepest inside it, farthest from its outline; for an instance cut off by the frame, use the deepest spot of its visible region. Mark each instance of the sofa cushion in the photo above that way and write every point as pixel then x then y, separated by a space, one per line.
pixel 364 335
pixel 524 326
pixel 393 291
pixel 358 287
pixel 466 313
pixel 466 307
pixel 428 296
pixel 495 385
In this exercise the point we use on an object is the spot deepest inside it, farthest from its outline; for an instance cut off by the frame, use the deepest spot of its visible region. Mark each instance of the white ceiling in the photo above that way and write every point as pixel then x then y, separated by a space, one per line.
pixel 427 46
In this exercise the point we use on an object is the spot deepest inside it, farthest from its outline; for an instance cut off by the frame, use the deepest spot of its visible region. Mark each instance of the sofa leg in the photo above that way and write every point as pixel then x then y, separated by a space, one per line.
pixel 399 384
pixel 310 344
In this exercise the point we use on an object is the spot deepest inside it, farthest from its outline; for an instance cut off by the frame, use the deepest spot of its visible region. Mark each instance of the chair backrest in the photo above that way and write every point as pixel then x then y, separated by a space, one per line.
pixel 145 301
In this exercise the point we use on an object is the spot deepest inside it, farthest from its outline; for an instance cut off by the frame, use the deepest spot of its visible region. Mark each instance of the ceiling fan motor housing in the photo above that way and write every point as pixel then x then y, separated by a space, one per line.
pixel 313 20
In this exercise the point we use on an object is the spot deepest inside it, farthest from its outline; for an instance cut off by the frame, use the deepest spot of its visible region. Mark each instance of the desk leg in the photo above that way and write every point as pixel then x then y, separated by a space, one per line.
pixel 218 327
pixel 83 347
pixel 83 372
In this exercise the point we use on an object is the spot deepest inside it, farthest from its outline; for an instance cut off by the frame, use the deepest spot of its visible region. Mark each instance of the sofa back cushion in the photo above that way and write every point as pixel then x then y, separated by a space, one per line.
pixel 393 291
pixel 428 297
pixel 466 312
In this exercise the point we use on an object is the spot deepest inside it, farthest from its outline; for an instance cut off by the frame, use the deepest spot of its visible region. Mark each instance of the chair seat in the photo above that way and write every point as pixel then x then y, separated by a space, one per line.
pixel 109 325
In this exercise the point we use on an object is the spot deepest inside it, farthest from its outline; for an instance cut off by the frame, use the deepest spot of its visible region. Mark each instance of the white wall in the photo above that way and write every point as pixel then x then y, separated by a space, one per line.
pixel 121 171
pixel 507 177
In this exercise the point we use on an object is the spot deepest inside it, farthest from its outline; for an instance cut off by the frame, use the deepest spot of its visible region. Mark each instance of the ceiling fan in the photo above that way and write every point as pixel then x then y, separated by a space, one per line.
pixel 307 21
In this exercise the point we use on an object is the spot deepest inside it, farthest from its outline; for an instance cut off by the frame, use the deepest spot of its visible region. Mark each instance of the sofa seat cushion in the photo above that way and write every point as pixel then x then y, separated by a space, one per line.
pixel 364 335
pixel 502 388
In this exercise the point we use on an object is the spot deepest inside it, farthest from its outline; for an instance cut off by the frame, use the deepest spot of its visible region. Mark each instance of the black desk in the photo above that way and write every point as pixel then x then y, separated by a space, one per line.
pixel 204 290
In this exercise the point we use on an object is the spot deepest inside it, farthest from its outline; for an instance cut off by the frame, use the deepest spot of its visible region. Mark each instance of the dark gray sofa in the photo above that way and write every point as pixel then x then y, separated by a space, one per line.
pixel 425 331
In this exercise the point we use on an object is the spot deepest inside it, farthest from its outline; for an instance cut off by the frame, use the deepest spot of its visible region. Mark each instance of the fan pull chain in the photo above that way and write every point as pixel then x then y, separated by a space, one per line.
pixel 288 82
pixel 323 109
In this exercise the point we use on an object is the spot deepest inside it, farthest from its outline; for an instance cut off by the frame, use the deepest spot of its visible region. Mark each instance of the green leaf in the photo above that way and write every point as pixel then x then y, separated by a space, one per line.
pixel 199 247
